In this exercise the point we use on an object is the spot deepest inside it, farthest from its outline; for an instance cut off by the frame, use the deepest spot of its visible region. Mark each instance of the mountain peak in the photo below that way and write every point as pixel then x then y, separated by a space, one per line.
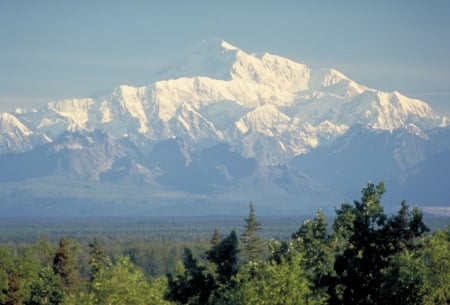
pixel 215 44
pixel 210 58
pixel 8 122
pixel 227 46
pixel 217 92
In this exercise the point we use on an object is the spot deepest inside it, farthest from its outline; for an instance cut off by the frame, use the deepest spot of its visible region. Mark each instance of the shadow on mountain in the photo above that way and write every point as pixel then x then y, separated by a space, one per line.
pixel 39 162
pixel 181 169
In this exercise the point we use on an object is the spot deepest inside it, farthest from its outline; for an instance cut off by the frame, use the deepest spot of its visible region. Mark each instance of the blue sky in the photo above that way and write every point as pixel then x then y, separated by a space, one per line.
pixel 62 49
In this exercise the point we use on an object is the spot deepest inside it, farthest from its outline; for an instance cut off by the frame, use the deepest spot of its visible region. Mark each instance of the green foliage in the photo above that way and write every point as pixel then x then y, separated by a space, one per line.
pixel 97 259
pixel 402 230
pixel 43 251
pixel 25 280
pixel 24 273
pixel 252 244
pixel 343 227
pixel 122 283
pixel 47 289
pixel 366 258
pixel 215 238
pixel 272 282
pixel 369 241
pixel 420 275
pixel 64 264
pixel 436 258
pixel 404 280
pixel 225 256
pixel 4 279
pixel 6 274
pixel 157 292
pixel 190 283
pixel 313 242
pixel 195 283
pixel 157 258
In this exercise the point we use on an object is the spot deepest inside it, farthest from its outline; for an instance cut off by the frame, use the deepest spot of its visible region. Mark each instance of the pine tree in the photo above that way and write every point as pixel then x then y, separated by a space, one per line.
pixel 64 265
pixel 215 238
pixel 317 257
pixel 46 289
pixel 368 242
pixel 225 256
pixel 252 244
pixel 97 259
pixel 359 266
pixel 191 284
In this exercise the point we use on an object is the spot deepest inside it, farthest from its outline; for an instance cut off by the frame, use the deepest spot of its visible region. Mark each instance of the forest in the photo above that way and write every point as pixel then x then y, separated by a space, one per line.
pixel 360 256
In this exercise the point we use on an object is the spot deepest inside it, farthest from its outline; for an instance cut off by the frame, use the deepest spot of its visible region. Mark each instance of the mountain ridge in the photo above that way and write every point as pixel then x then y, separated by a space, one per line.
pixel 174 106
pixel 268 110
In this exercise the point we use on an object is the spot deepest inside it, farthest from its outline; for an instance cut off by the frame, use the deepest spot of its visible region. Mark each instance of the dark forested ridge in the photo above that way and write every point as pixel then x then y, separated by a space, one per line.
pixel 361 255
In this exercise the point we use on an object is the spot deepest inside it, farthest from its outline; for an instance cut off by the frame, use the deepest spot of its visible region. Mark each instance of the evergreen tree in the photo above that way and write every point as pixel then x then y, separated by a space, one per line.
pixel 280 250
pixel 195 283
pixel 420 275
pixel 225 256
pixel 317 254
pixel 4 281
pixel 190 284
pixel 369 241
pixel 225 261
pixel 13 295
pixel 97 259
pixel 64 264
pixel 252 244
pixel 17 274
pixel 436 271
pixel 43 251
pixel 46 289
pixel 343 227
pixel 403 280
pixel 359 267
pixel 215 238
pixel 8 279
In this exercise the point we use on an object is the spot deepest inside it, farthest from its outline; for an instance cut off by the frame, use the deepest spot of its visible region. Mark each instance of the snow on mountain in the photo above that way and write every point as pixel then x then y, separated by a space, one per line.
pixel 266 106
pixel 245 126
pixel 189 124
pixel 86 156
pixel 389 111
pixel 59 116
pixel 212 58
pixel 264 119
pixel 131 101
pixel 9 123
pixel 335 83
pixel 13 134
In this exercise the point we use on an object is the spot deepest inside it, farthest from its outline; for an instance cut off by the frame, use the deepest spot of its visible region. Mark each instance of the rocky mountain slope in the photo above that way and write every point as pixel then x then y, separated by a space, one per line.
pixel 220 119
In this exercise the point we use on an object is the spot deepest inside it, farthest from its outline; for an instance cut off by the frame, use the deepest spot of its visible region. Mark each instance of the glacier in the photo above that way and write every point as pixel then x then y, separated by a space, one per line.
pixel 266 106
pixel 215 129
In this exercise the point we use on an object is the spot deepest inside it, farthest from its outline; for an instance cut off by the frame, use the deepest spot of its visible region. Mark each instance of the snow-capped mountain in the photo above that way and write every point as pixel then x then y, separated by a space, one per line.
pixel 13 134
pixel 282 118
pixel 267 106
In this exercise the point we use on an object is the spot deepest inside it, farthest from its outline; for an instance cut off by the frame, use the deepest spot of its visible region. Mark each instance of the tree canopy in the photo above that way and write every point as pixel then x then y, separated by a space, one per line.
pixel 364 256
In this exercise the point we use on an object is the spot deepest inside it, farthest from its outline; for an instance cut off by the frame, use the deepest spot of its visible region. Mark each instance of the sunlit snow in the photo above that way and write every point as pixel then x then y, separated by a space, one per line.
pixel 267 106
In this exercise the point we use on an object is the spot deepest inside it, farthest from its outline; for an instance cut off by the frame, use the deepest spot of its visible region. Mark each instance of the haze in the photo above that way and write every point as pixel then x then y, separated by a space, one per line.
pixel 53 50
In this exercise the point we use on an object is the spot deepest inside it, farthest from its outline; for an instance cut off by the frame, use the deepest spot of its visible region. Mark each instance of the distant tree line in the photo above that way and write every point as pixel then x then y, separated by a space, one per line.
pixel 363 257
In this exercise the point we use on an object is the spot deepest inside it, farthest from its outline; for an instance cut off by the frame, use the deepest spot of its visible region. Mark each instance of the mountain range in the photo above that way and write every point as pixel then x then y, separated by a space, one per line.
pixel 219 128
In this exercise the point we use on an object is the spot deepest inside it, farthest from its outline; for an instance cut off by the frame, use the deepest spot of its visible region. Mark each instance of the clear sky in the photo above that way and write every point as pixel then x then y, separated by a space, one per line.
pixel 62 49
